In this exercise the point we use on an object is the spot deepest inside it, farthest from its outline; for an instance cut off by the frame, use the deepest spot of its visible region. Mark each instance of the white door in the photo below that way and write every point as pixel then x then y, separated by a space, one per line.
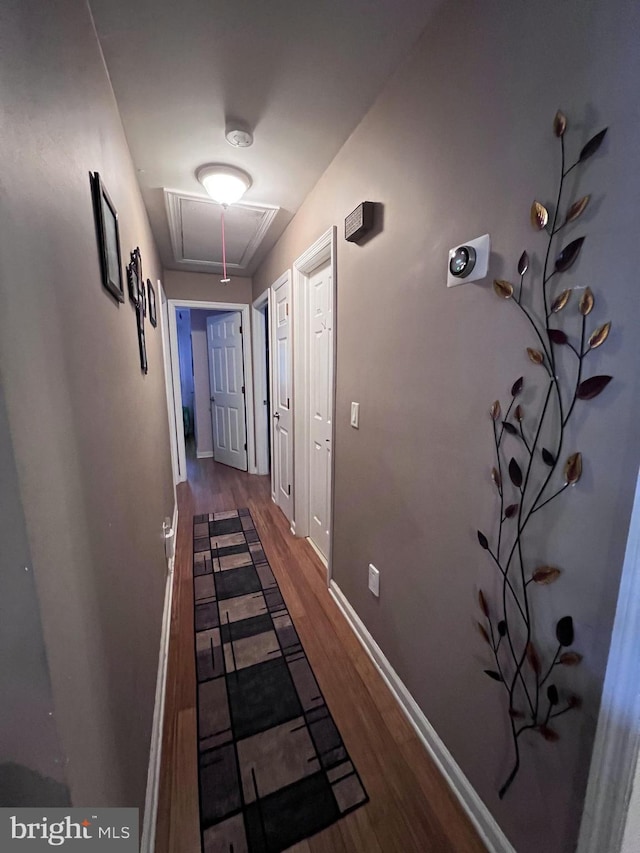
pixel 226 381
pixel 321 400
pixel 281 397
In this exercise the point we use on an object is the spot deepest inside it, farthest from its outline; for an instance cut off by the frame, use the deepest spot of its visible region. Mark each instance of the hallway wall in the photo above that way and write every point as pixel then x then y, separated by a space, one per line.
pixel 31 766
pixel 459 143
pixel 206 287
pixel 89 431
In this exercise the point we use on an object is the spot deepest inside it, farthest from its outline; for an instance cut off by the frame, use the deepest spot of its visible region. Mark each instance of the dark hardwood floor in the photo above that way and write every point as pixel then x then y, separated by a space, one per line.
pixel 411 807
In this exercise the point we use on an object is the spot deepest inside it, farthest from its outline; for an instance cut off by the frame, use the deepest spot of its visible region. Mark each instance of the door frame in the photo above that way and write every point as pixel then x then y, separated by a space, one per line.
pixel 323 250
pixel 272 332
pixel 173 306
pixel 163 304
pixel 259 333
pixel 611 800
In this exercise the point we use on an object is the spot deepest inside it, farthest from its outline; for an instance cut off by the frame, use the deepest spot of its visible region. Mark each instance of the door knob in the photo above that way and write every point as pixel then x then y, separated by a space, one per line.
pixel 276 415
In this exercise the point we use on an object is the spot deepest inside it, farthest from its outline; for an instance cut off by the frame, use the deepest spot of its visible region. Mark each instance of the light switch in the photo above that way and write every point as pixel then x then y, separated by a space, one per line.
pixel 355 415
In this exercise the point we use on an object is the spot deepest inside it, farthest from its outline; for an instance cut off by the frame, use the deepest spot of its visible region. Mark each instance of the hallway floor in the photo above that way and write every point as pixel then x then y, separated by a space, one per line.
pixel 411 807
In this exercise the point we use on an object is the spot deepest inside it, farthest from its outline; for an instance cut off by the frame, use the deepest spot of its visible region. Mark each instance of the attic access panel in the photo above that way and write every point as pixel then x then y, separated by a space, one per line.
pixel 196 234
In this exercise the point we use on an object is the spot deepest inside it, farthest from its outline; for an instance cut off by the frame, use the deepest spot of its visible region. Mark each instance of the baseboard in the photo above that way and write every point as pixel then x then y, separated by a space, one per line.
pixel 148 840
pixel 321 556
pixel 204 454
pixel 486 825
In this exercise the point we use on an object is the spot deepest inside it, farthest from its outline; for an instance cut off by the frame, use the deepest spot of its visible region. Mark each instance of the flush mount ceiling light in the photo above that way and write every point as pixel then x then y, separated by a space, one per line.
pixel 225 184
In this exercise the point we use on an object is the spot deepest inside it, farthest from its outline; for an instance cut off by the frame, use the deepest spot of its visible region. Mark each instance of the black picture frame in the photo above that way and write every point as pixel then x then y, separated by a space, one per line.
pixel 108 236
pixel 142 343
pixel 142 296
pixel 153 314
pixel 134 276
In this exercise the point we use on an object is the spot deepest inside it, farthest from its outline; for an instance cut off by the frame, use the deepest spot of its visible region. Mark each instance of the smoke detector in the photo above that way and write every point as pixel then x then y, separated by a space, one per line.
pixel 239 137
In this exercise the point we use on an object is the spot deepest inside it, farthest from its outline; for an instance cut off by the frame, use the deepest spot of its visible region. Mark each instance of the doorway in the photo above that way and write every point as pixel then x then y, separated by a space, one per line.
pixel 314 300
pixel 260 319
pixel 236 375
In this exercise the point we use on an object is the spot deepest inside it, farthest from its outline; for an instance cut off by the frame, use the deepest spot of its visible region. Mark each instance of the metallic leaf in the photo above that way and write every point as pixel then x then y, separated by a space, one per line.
pixel 535 355
pixel 570 659
pixel 483 603
pixel 546 575
pixel 503 288
pixel 560 301
pixel 483 631
pixel 564 631
pixel 495 476
pixel 573 469
pixel 515 472
pixel 577 209
pixel 548 458
pixel 592 145
pixel 592 386
pixel 539 216
pixel 516 388
pixel 534 660
pixel 482 539
pixel 493 674
pixel 557 336
pixel 586 302
pixel 523 263
pixel 511 510
pixel 495 410
pixel 559 123
pixel 569 255
pixel 600 335
pixel 574 702
pixel 549 734
pixel 519 414
pixel 502 627
pixel 509 428
pixel 552 694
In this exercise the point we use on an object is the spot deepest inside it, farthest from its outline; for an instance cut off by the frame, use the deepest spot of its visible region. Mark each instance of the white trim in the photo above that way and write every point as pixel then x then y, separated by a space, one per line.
pixel 204 454
pixel 173 203
pixel 617 742
pixel 147 843
pixel 271 331
pixel 324 249
pixel 486 825
pixel 321 556
pixel 169 385
pixel 259 342
pixel 245 310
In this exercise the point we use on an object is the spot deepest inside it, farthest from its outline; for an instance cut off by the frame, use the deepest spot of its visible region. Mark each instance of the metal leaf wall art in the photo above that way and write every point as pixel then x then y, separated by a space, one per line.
pixel 529 477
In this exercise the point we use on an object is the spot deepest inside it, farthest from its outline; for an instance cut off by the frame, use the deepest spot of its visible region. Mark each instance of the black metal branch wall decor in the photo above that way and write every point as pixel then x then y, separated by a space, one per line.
pixel 537 475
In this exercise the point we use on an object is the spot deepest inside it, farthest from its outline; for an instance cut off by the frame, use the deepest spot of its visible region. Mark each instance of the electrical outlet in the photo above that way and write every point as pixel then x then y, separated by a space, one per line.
pixel 374 580
pixel 355 415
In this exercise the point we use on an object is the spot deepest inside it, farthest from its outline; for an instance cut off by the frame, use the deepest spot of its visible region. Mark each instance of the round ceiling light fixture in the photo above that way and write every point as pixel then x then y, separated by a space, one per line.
pixel 225 184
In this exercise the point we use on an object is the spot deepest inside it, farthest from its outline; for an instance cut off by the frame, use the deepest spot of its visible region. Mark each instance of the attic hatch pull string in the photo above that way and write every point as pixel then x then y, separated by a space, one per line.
pixel 224 280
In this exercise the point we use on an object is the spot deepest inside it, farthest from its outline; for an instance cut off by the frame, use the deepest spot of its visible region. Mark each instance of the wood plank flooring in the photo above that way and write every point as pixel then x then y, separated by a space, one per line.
pixel 411 807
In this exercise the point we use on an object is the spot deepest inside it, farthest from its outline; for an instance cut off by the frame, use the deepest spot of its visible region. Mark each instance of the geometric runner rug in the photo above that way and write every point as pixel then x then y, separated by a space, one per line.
pixel 272 766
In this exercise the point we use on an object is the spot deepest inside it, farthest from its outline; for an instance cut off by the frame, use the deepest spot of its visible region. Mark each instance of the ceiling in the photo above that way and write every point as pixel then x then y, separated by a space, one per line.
pixel 299 74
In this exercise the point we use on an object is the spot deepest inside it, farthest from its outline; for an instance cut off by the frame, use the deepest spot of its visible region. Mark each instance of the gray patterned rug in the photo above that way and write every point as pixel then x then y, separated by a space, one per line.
pixel 273 769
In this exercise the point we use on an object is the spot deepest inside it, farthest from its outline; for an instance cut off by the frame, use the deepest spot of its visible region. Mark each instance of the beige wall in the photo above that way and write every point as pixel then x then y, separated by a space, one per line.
pixel 31 766
pixel 205 287
pixel 458 144
pixel 89 430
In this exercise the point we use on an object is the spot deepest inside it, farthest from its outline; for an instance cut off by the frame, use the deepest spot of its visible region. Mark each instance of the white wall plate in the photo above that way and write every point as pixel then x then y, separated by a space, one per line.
pixel 482 246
